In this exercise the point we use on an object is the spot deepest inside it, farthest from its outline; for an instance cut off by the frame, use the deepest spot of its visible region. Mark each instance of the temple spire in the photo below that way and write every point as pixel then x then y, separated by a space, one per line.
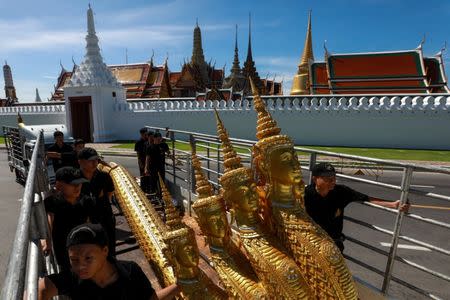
pixel 249 49
pixel 38 98
pixel 197 51
pixel 249 69
pixel 92 71
pixel 236 69
pixel 301 82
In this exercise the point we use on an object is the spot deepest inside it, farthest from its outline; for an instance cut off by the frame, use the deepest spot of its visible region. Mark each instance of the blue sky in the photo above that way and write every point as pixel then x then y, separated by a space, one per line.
pixel 36 35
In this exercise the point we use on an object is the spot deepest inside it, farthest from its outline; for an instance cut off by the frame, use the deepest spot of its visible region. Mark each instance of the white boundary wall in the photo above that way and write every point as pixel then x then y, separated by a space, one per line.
pixel 392 121
pixel 33 114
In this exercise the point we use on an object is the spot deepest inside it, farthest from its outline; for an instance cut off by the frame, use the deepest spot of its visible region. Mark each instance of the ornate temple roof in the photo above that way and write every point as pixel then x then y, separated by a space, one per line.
pixel 378 73
pixel 92 71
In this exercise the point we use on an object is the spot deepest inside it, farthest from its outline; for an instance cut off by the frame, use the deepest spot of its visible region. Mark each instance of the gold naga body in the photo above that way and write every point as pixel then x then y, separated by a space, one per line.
pixel 143 220
pixel 282 187
pixel 231 265
pixel 279 273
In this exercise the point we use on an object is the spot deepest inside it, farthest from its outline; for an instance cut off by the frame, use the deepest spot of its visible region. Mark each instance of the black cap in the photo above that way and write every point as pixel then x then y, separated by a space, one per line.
pixel 143 130
pixel 157 135
pixel 87 234
pixel 78 142
pixel 88 154
pixel 58 133
pixel 323 169
pixel 69 175
pixel 150 133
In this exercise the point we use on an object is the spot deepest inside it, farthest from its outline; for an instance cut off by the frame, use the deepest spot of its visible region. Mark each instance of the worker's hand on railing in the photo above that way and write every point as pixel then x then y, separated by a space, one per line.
pixel 403 207
pixel 46 245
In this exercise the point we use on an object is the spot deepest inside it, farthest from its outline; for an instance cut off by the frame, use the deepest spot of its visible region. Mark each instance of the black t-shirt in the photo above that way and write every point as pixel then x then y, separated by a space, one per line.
pixel 328 211
pixel 154 151
pixel 100 185
pixel 70 159
pixel 66 217
pixel 58 163
pixel 132 284
pixel 140 147
pixel 164 148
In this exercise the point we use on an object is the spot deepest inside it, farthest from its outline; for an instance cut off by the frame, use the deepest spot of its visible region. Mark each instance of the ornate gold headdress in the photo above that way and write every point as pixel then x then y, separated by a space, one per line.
pixel 267 130
pixel 173 219
pixel 234 171
pixel 206 200
pixel 179 236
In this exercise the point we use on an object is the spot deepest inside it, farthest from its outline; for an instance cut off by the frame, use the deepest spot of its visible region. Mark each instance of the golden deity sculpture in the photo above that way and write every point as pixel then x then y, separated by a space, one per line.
pixel 279 174
pixel 279 273
pixel 231 265
pixel 143 220
pixel 173 219
pixel 184 255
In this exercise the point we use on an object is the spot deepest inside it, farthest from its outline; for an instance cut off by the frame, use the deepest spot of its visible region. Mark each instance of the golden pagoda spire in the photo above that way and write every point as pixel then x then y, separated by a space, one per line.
pixel 266 126
pixel 301 82
pixel 203 187
pixel 231 160
pixel 173 219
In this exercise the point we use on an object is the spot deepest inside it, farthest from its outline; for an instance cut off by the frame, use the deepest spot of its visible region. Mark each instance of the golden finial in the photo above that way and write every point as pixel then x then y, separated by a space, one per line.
pixel 19 118
pixel 234 171
pixel 231 160
pixel 301 81
pixel 203 187
pixel 173 219
pixel 266 126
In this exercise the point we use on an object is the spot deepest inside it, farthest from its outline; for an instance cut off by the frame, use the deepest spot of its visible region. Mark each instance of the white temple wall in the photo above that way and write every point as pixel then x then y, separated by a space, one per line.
pixel 391 122
pixel 385 122
pixel 32 115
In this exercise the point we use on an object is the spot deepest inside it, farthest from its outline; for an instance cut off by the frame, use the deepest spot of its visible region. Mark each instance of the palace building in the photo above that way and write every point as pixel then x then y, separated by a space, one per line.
pixel 389 72
pixel 197 78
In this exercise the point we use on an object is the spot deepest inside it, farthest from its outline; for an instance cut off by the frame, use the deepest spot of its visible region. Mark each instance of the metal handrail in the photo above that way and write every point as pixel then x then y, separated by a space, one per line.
pixel 408 169
pixel 32 226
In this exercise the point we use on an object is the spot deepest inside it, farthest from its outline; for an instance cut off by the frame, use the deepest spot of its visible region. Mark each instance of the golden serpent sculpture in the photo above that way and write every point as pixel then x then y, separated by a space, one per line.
pixel 280 252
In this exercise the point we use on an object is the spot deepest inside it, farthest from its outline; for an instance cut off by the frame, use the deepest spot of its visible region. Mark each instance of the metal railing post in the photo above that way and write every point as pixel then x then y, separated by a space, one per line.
pixel 406 181
pixel 208 164
pixel 15 275
pixel 172 139
pixel 312 162
pixel 189 183
pixel 218 165
pixel 193 144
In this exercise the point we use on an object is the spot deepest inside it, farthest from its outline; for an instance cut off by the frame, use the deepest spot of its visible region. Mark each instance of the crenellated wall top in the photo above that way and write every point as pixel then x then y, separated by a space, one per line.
pixel 322 103
pixel 311 104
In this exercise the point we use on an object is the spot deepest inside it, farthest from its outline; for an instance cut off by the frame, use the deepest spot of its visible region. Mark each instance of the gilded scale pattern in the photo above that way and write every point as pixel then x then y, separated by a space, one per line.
pixel 143 220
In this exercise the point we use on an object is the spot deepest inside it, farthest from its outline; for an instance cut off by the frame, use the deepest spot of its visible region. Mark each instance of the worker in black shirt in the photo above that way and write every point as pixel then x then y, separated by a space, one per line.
pixel 70 159
pixel 100 186
pixel 54 151
pixel 65 210
pixel 96 275
pixel 147 184
pixel 325 201
pixel 139 147
pixel 164 149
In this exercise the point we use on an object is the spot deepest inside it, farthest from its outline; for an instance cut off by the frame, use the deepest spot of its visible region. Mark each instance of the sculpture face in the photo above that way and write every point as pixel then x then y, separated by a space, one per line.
pixel 284 166
pixel 217 223
pixel 244 196
pixel 187 253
